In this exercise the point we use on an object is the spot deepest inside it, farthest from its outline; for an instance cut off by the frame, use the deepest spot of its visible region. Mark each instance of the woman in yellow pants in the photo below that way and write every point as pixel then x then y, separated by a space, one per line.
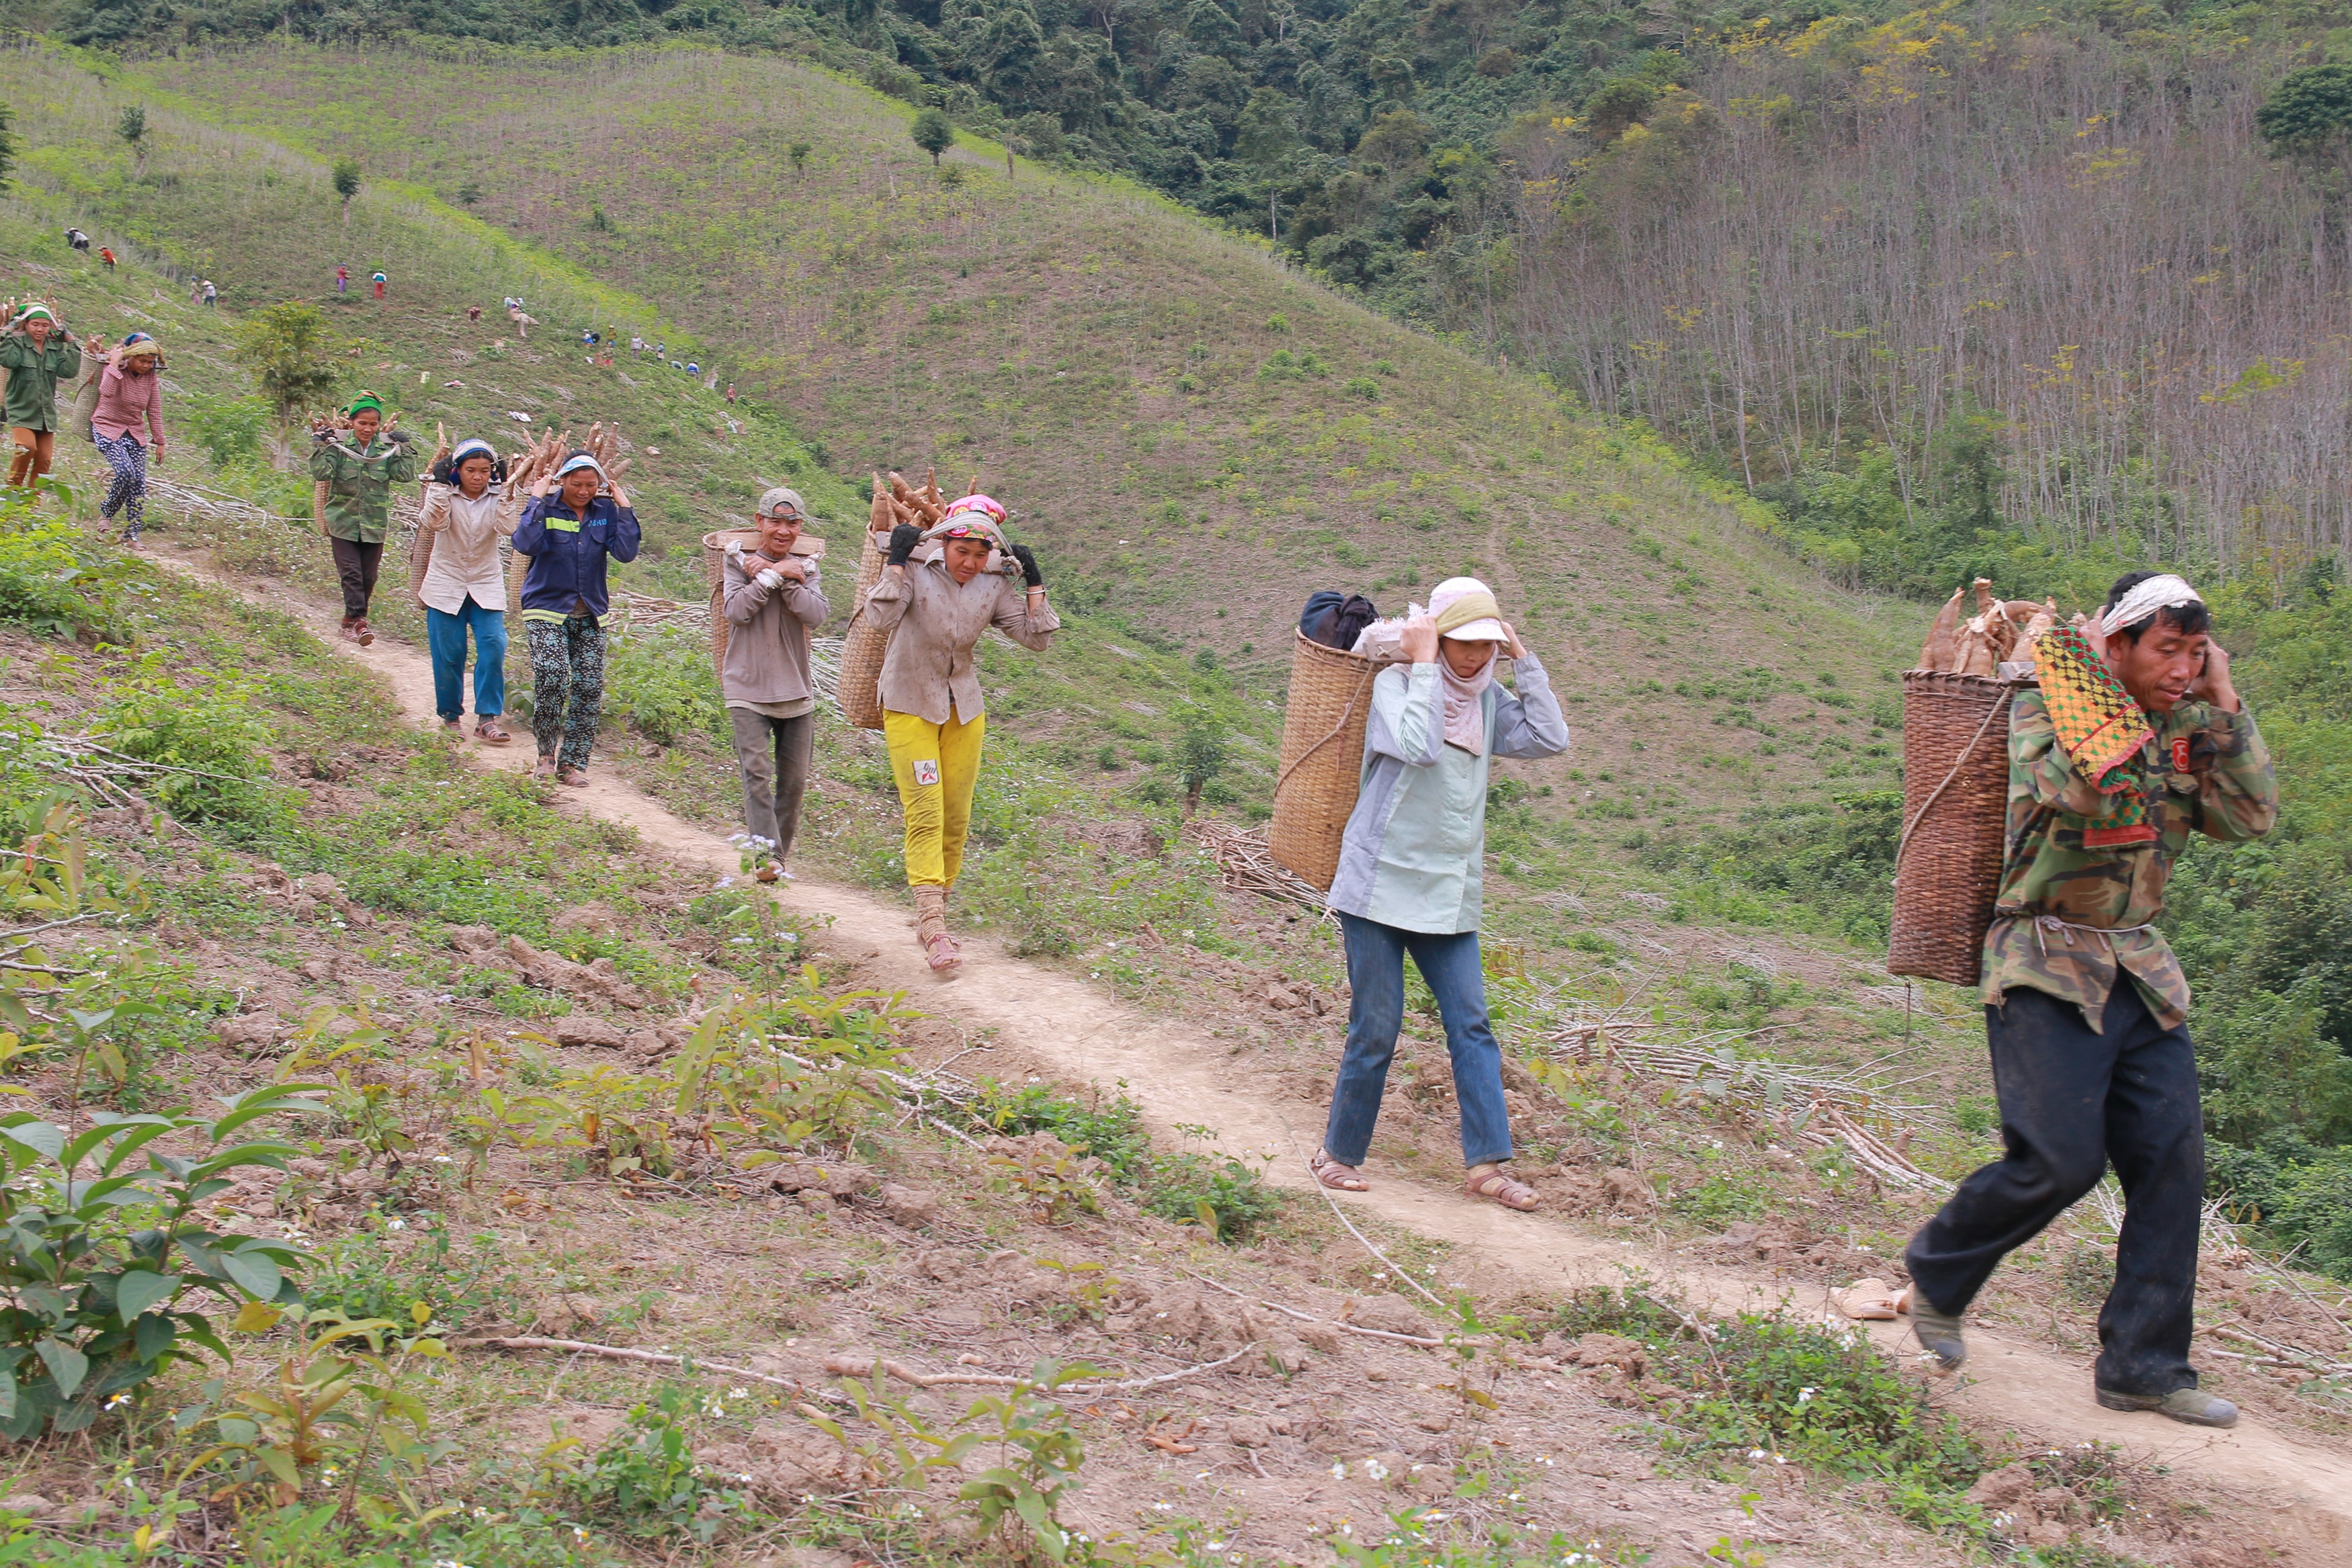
pixel 941 590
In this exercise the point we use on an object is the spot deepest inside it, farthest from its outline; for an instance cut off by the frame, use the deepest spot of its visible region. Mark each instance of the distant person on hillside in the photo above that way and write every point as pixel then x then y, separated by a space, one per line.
pixel 129 406
pixel 474 314
pixel 773 602
pixel 2132 739
pixel 636 345
pixel 77 240
pixel 470 504
pixel 1411 880
pixel 380 281
pixel 36 350
pixel 212 294
pixel 195 291
pixel 730 392
pixel 521 318
pixel 105 258
pixel 361 462
pixel 342 279
pixel 941 590
pixel 570 531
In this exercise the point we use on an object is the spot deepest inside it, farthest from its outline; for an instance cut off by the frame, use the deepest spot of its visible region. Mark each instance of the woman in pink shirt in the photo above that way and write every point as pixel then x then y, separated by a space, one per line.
pixel 129 408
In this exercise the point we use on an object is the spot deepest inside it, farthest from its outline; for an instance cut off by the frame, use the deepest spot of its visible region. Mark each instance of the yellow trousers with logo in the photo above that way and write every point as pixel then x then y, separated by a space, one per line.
pixel 937 767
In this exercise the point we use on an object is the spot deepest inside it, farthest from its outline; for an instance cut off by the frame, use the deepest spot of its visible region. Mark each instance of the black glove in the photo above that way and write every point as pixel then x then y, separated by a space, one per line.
pixel 903 540
pixel 399 438
pixel 1028 559
pixel 443 471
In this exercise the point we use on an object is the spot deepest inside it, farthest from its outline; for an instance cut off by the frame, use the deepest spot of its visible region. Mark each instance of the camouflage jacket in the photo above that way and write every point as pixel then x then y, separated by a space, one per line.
pixel 2063 921
pixel 359 484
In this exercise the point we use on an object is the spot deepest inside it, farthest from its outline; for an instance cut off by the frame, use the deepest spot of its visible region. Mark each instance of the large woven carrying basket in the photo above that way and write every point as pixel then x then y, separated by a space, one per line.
pixel 863 646
pixel 1320 766
pixel 714 571
pixel 1955 816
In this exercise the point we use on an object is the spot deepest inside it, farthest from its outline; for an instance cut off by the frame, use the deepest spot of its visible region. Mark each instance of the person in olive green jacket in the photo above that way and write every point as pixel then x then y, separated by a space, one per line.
pixel 36 350
pixel 359 462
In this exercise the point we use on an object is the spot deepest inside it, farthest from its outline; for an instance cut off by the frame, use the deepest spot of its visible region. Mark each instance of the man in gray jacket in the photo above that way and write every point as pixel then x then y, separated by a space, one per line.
pixel 771 603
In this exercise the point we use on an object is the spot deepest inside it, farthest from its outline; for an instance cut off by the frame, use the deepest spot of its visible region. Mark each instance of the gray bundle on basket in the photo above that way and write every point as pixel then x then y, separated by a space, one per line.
pixel 1955 816
pixel 1320 766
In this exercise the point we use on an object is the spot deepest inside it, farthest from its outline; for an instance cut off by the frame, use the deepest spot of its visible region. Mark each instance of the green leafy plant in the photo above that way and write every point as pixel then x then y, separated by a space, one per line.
pixel 644 1478
pixel 289 352
pixel 96 1253
pixel 206 736
pixel 340 1393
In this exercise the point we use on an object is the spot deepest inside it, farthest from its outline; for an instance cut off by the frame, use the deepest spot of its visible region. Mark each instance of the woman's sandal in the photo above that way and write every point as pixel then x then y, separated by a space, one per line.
pixel 490 732
pixel 1493 1181
pixel 575 776
pixel 1335 1175
pixel 941 953
pixel 543 768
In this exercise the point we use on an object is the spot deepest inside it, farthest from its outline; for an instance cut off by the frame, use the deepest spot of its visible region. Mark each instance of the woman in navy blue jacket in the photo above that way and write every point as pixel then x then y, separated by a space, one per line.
pixel 569 535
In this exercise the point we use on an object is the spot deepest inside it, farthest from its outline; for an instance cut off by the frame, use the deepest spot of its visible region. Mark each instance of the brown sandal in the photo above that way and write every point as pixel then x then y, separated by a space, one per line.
pixel 490 733
pixel 575 776
pixel 941 954
pixel 1335 1175
pixel 543 768
pixel 1492 1181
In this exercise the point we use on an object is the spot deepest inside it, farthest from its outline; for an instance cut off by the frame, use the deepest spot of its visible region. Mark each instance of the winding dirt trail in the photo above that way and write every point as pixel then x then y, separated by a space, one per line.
pixel 1181 1075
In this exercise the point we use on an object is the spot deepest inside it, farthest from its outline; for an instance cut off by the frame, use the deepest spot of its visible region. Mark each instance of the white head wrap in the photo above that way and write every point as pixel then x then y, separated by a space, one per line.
pixel 2164 592
pixel 580 461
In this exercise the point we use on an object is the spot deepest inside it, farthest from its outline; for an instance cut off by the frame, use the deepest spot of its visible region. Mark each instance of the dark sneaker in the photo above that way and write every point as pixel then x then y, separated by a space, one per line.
pixel 2192 1405
pixel 1938 1335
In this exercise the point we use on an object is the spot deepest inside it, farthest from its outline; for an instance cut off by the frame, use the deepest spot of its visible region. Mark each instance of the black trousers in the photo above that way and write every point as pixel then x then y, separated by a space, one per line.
pixel 356 564
pixel 2071 1102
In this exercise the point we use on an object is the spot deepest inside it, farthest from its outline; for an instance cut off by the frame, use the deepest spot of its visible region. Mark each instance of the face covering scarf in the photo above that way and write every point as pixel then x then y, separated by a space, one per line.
pixel 2101 729
pixel 1466 709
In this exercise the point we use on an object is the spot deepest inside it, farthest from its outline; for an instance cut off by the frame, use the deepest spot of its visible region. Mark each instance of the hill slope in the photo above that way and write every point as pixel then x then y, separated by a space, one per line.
pixel 1191 430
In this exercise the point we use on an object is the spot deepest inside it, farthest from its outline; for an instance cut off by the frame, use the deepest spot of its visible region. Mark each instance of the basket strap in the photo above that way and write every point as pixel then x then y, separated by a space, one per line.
pixel 1992 711
pixel 1345 714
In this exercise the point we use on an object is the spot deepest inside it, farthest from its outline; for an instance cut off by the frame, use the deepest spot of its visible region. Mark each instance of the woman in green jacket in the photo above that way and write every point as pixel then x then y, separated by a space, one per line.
pixel 359 460
pixel 36 350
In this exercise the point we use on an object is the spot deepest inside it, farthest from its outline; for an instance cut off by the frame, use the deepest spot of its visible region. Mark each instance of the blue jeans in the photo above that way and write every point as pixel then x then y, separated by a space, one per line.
pixel 1376 1012
pixel 445 634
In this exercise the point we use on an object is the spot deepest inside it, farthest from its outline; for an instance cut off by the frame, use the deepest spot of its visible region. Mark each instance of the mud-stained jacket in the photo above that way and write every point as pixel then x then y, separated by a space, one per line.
pixel 2071 920
pixel 360 481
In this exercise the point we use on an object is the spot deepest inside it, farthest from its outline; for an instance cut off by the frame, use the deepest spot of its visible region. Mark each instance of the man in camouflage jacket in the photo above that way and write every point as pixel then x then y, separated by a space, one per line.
pixel 359 461
pixel 2085 1007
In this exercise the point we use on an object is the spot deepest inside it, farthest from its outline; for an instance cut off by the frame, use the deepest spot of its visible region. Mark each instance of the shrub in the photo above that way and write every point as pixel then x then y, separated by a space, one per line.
pixel 52 580
pixel 1361 386
pixel 209 737
pixel 663 686
pixel 96 1254
pixel 230 428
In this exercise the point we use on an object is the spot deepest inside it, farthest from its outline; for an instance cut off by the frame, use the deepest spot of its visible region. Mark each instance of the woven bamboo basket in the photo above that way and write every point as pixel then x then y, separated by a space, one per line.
pixel 1321 762
pixel 1955 815
pixel 863 646
pixel 714 571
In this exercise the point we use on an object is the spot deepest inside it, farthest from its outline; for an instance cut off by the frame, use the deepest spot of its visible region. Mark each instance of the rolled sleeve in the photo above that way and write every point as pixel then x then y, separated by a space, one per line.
pixel 1530 724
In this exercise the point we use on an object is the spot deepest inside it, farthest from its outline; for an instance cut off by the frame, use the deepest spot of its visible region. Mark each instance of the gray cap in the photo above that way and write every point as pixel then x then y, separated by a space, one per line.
pixel 781 499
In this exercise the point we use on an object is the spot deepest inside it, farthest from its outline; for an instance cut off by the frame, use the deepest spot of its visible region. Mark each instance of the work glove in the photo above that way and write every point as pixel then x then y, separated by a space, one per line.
pixel 770 578
pixel 903 540
pixel 1028 559
pixel 400 438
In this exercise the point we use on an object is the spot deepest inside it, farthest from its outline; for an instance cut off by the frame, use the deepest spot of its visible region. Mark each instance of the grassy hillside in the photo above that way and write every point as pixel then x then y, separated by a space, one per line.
pixel 1199 436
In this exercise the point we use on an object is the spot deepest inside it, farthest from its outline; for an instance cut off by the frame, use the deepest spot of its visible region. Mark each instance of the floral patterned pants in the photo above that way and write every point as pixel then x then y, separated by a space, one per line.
pixel 567 686
pixel 128 493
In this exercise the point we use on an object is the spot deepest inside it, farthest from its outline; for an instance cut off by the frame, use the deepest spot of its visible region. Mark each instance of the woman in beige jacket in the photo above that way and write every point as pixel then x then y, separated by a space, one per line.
pixel 941 590
pixel 469 506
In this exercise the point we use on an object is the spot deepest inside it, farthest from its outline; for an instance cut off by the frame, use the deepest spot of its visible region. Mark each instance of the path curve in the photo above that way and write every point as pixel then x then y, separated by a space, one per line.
pixel 1177 1074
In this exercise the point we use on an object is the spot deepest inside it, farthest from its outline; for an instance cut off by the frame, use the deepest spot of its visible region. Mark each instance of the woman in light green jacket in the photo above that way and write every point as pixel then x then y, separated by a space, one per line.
pixel 1409 877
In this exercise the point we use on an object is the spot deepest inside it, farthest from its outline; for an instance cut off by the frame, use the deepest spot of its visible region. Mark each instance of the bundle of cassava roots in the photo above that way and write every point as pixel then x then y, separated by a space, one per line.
pixel 2002 630
pixel 896 502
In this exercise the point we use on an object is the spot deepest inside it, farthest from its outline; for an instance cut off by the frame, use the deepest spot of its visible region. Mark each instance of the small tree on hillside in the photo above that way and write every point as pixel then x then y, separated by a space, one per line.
pixel 934 132
pixel 347 182
pixel 469 193
pixel 131 126
pixel 2308 108
pixel 7 148
pixel 798 152
pixel 287 349
pixel 1200 756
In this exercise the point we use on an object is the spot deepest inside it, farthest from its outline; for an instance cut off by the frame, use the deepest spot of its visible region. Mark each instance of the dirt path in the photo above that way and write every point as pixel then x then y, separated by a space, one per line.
pixel 1179 1076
